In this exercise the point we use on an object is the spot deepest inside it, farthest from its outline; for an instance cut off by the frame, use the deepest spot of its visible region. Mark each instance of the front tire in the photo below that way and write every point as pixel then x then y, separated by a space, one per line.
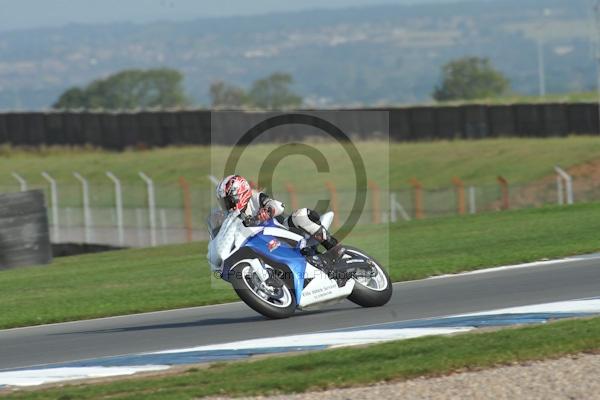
pixel 370 292
pixel 272 302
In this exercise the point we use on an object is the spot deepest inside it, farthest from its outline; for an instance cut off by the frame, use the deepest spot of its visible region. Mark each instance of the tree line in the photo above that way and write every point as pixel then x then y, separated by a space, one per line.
pixel 468 78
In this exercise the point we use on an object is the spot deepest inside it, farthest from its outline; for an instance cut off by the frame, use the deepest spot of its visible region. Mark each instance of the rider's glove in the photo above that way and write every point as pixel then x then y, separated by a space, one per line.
pixel 264 214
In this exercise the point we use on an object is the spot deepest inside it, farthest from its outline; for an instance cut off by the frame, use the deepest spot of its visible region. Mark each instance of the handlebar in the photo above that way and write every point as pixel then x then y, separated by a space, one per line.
pixel 250 221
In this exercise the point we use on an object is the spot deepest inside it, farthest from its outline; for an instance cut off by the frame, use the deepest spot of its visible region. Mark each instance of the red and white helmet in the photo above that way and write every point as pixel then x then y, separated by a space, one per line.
pixel 234 193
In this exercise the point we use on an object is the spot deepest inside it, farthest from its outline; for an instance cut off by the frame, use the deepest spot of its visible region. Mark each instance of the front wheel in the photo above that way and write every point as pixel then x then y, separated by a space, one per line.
pixel 373 291
pixel 273 302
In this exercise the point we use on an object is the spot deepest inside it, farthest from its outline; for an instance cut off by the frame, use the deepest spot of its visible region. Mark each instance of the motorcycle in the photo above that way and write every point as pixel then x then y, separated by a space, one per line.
pixel 271 270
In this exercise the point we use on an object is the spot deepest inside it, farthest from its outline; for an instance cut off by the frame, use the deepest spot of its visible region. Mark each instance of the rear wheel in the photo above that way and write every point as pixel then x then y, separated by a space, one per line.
pixel 370 291
pixel 273 302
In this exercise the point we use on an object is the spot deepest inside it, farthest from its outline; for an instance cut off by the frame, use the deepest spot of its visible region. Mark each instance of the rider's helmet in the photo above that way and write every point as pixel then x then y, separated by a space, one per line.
pixel 234 193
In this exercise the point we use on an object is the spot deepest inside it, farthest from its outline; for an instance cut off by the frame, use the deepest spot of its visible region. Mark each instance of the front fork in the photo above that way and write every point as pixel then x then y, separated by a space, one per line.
pixel 258 268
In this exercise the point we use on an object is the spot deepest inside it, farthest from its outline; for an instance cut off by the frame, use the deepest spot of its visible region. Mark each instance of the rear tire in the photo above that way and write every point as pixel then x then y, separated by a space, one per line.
pixel 366 296
pixel 250 293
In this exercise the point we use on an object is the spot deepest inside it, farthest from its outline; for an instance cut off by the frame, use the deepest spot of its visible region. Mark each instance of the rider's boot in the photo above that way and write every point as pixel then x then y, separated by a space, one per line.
pixel 309 221
pixel 334 250
pixel 325 239
pixel 329 262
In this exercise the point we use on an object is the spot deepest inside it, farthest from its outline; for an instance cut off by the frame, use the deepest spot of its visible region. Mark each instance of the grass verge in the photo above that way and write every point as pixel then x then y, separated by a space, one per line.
pixel 428 356
pixel 140 280
pixel 477 162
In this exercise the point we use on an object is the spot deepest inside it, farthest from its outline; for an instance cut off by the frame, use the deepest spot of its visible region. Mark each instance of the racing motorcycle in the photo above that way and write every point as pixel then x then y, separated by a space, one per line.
pixel 276 271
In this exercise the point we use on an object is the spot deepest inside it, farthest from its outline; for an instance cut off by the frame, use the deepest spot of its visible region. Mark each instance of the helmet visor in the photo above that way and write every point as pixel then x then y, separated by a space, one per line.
pixel 227 203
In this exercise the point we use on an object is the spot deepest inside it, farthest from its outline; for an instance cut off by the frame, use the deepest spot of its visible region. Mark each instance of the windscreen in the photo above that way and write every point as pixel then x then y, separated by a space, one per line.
pixel 214 221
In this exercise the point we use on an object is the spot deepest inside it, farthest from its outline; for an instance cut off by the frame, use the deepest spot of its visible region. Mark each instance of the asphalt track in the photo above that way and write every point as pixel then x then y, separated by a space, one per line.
pixel 565 280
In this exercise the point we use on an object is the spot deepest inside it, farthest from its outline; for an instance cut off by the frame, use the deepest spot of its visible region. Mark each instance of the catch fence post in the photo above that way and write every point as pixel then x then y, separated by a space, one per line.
pixel 21 180
pixel 334 202
pixel 375 202
pixel 151 206
pixel 418 198
pixel 87 215
pixel 560 191
pixel 396 206
pixel 505 194
pixel 472 204
pixel 293 195
pixel 118 206
pixel 460 195
pixel 562 174
pixel 54 199
pixel 187 207
pixel 214 180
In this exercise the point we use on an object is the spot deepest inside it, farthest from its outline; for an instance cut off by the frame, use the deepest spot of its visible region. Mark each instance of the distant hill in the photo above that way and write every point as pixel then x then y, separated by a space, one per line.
pixel 18 15
pixel 367 55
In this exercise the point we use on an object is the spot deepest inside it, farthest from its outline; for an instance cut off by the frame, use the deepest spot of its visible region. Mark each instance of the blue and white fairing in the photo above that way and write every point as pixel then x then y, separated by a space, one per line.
pixel 275 245
pixel 271 245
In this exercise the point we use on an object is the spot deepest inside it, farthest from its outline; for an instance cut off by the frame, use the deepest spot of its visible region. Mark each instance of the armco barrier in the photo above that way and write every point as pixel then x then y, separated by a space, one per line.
pixel 117 131
pixel 24 236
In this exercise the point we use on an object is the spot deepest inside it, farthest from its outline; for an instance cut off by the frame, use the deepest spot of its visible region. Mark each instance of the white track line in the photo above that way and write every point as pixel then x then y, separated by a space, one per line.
pixel 329 339
pixel 475 313
pixel 587 257
pixel 52 375
pixel 370 334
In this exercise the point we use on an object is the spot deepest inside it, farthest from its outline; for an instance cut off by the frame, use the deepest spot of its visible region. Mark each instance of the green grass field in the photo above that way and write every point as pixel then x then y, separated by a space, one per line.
pixel 394 361
pixel 434 163
pixel 140 280
pixel 478 163
pixel 131 281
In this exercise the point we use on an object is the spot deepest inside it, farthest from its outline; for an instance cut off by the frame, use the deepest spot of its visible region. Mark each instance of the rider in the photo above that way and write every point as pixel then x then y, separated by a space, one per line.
pixel 234 193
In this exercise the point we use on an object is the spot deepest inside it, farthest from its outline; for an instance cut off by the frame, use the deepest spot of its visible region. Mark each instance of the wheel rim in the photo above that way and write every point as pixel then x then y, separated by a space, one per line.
pixel 276 297
pixel 378 282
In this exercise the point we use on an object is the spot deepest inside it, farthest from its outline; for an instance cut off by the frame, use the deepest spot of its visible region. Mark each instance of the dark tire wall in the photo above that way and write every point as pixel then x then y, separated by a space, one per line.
pixel 122 130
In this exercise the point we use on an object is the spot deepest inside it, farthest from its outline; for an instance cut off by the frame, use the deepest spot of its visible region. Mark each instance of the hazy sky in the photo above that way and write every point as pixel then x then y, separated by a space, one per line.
pixel 19 14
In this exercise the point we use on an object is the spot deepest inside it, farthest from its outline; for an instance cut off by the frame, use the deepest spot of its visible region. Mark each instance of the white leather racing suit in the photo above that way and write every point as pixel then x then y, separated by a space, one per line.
pixel 305 219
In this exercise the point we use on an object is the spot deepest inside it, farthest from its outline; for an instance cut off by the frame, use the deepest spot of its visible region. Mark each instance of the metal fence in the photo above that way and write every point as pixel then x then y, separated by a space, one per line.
pixel 129 215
